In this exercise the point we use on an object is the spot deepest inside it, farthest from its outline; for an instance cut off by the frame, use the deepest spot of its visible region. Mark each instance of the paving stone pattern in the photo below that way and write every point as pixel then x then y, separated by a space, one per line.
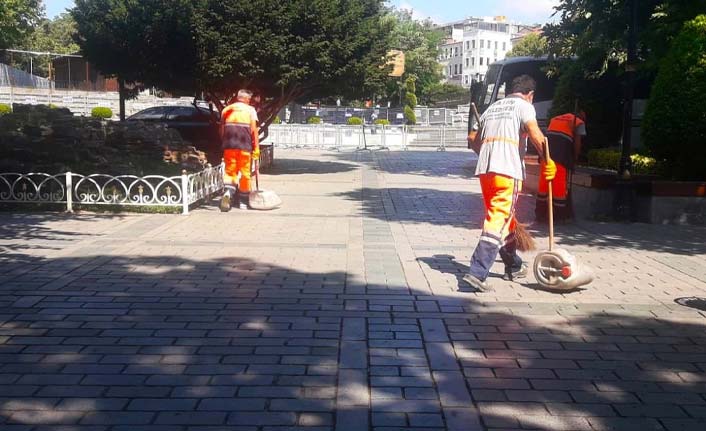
pixel 344 310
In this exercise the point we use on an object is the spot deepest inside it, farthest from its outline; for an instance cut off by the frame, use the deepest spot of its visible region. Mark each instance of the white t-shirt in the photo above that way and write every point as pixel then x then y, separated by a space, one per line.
pixel 503 136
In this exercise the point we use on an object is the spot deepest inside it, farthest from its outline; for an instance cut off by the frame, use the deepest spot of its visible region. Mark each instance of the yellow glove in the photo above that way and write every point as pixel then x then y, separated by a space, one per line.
pixel 549 170
pixel 256 153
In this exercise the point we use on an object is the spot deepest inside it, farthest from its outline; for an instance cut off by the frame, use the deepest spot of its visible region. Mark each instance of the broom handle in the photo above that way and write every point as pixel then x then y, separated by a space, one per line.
pixel 550 201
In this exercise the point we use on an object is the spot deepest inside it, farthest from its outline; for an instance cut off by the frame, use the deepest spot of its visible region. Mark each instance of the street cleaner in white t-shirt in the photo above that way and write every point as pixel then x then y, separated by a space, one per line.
pixel 501 144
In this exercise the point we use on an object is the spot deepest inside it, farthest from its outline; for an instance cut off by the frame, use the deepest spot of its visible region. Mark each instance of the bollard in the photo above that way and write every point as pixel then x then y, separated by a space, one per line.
pixel 185 192
pixel 69 193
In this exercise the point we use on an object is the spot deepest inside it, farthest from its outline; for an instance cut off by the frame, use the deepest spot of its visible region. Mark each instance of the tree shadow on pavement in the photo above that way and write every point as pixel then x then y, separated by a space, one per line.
pixel 292 166
pixel 436 164
pixel 681 240
pixel 167 342
pixel 15 228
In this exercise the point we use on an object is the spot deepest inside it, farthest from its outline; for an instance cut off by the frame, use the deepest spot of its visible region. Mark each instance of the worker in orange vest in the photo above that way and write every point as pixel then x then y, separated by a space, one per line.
pixel 241 144
pixel 565 134
pixel 501 144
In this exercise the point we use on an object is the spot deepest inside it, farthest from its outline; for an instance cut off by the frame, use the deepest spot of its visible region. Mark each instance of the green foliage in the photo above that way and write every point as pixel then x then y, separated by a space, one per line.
pixel 447 93
pixel 354 121
pixel 599 96
pixel 17 21
pixel 609 158
pixel 410 115
pixel 674 126
pixel 419 40
pixel 313 120
pixel 5 109
pixel 277 120
pixel 410 100
pixel 532 45
pixel 595 30
pixel 52 106
pixel 294 50
pixel 101 112
pixel 382 122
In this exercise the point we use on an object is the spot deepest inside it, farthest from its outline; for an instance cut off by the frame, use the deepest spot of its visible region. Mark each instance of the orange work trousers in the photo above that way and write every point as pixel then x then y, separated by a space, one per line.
pixel 500 195
pixel 237 162
pixel 560 195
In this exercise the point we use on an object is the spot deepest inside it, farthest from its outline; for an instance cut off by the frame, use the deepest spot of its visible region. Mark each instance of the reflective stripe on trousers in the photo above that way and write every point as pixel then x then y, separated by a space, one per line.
pixel 500 195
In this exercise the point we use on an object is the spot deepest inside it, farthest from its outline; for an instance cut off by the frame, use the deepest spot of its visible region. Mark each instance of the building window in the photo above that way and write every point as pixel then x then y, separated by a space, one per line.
pixel 465 79
pixel 460 69
pixel 481 61
pixel 504 46
pixel 455 69
pixel 496 45
pixel 473 43
pixel 467 61
pixel 482 44
pixel 488 61
pixel 473 61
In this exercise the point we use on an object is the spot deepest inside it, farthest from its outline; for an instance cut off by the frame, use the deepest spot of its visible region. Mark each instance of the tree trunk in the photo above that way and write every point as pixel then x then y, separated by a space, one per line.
pixel 121 94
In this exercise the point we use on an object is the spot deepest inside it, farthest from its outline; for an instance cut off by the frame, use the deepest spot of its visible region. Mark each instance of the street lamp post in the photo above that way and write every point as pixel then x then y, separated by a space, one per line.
pixel 625 191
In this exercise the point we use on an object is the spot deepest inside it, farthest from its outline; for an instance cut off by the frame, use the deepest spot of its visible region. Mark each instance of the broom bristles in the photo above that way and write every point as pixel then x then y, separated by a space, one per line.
pixel 524 239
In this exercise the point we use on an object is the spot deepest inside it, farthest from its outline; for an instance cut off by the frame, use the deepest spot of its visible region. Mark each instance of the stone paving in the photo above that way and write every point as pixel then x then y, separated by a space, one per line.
pixel 343 310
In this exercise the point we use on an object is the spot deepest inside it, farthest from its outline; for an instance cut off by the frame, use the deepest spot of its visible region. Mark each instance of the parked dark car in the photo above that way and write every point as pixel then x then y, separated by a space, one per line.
pixel 196 125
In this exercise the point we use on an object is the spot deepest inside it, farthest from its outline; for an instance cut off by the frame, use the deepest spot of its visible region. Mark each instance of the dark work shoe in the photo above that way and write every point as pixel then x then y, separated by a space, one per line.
pixel 517 274
pixel 476 284
pixel 225 203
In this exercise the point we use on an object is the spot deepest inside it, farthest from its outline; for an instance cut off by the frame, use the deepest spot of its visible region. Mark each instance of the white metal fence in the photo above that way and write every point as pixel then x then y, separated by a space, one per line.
pixel 338 138
pixel 122 190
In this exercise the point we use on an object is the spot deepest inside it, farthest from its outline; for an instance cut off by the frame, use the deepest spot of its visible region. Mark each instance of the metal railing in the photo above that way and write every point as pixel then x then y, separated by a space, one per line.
pixel 127 191
pixel 338 137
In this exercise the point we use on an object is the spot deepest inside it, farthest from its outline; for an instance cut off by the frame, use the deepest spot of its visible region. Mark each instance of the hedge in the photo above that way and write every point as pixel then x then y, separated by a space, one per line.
pixel 101 112
pixel 674 125
pixel 354 121
pixel 313 120
pixel 382 122
pixel 5 109
pixel 609 158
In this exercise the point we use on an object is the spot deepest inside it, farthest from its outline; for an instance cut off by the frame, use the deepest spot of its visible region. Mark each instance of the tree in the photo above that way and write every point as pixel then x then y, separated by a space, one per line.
pixel 532 45
pixel 410 100
pixel 284 51
pixel 419 40
pixel 596 30
pixel 674 126
pixel 17 20
pixel 446 92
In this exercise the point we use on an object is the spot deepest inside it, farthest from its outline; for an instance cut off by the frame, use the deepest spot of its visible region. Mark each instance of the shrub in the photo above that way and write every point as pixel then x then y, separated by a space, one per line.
pixel 53 106
pixel 410 115
pixel 101 112
pixel 354 121
pixel 277 120
pixel 313 120
pixel 609 158
pixel 674 126
pixel 382 122
pixel 5 109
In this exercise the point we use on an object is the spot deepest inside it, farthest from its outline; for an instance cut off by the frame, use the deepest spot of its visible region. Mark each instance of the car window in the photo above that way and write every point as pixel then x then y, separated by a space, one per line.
pixel 183 113
pixel 156 113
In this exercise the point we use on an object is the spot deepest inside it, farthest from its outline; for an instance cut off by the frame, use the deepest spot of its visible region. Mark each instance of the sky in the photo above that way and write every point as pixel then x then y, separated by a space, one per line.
pixel 440 11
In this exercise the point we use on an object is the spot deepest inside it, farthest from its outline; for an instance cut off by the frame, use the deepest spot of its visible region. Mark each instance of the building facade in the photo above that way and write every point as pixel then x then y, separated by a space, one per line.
pixel 472 45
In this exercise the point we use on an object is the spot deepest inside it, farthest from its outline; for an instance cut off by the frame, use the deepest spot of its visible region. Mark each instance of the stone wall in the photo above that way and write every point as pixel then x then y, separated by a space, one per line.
pixel 38 138
pixel 82 102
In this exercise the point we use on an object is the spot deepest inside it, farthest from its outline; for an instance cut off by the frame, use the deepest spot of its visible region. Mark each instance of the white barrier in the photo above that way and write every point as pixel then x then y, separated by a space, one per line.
pixel 337 137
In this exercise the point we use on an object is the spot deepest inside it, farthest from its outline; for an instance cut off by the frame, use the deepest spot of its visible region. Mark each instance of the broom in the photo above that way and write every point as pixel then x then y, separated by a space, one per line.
pixel 523 239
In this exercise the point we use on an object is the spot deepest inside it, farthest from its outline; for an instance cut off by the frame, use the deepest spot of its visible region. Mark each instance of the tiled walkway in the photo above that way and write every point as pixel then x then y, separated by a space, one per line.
pixel 343 311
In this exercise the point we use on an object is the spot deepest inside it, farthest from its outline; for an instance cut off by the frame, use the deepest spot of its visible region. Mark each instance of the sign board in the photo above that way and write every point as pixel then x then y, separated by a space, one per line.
pixel 31 100
pixel 396 58
pixel 68 100
pixel 400 116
